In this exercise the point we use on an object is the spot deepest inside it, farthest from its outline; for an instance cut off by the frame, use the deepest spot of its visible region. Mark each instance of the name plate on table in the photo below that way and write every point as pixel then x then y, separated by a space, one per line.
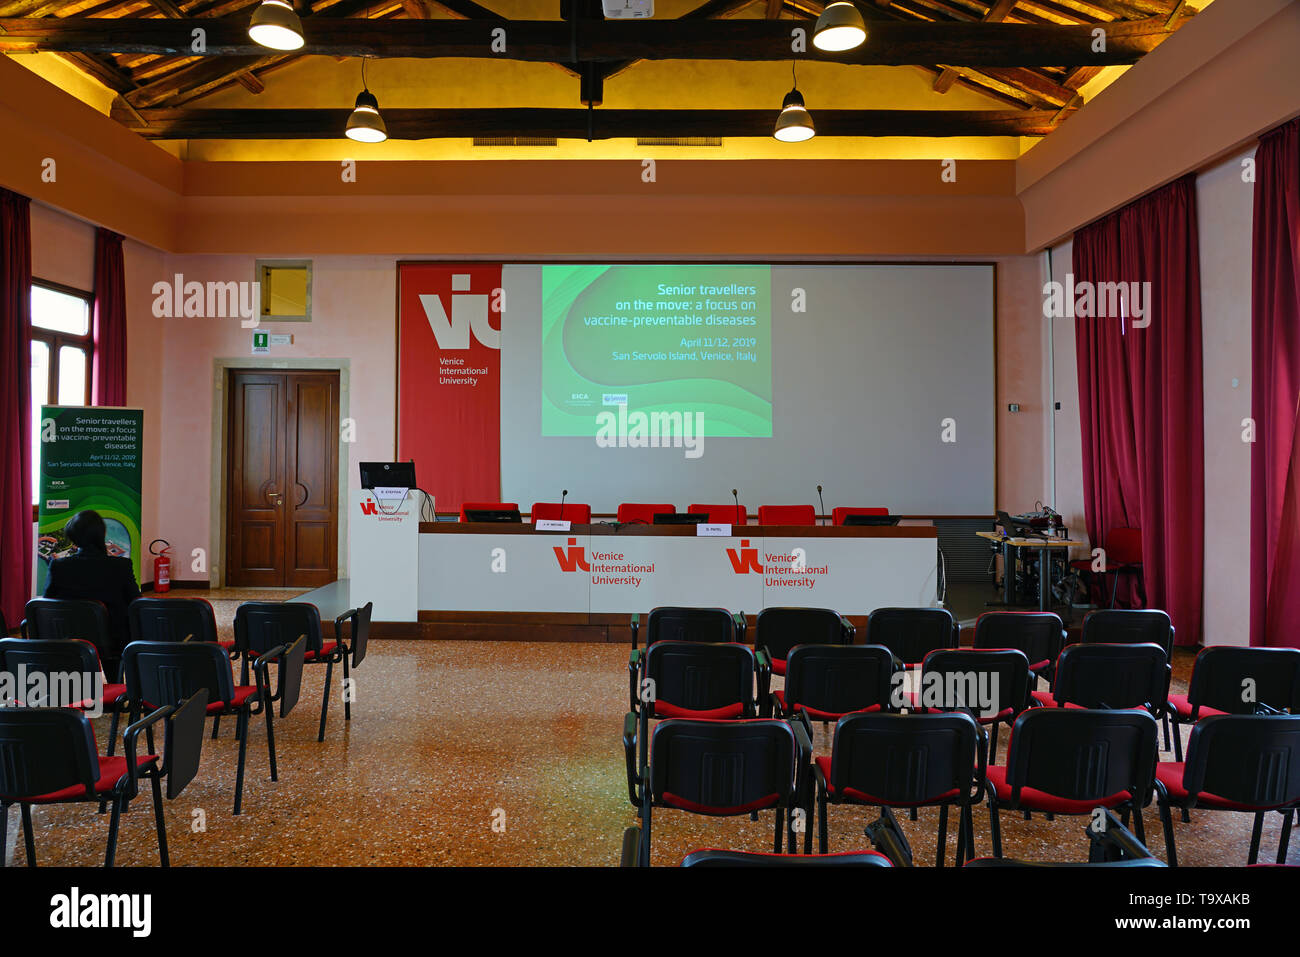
pixel 552 525
pixel 719 531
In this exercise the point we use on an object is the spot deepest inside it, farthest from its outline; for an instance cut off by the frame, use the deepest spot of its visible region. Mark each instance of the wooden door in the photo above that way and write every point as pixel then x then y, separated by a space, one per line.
pixel 282 478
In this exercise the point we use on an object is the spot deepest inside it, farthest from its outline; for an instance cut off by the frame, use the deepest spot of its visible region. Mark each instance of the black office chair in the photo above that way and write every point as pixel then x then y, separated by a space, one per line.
pixel 161 673
pixel 1121 626
pixel 1110 844
pixel 895 761
pixel 779 629
pixel 826 682
pixel 175 619
pixel 263 625
pixel 1230 680
pixel 58 618
pixel 678 623
pixel 354 642
pixel 1246 763
pixel 1111 677
pixel 722 769
pixel 48 756
pixel 62 663
pixel 991 684
pixel 912 633
pixel 1039 634
pixel 1073 761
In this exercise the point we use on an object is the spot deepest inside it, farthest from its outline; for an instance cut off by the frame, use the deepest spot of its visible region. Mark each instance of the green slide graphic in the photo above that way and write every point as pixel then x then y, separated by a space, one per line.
pixel 658 338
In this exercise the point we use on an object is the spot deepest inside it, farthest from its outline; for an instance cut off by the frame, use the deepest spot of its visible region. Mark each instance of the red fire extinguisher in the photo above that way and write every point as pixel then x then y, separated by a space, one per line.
pixel 162 566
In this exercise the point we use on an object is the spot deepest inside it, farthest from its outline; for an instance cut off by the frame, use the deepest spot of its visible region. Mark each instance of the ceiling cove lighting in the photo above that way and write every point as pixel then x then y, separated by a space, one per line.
pixel 275 25
pixel 793 124
pixel 839 28
pixel 365 125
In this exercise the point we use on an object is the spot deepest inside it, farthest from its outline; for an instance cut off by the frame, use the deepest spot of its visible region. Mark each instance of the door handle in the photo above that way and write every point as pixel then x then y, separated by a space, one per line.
pixel 274 497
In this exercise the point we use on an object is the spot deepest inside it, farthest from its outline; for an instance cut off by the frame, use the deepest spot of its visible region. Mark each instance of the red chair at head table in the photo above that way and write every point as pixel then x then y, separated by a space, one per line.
pixel 574 512
pixel 787 515
pixel 838 515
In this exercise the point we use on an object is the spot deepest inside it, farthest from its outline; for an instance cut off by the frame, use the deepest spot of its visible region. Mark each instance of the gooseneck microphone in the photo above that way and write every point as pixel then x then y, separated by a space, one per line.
pixel 820 502
pixel 740 518
pixel 563 493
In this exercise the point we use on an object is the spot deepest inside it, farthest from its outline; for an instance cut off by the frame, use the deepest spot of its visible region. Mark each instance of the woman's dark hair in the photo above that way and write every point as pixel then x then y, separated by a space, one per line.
pixel 86 531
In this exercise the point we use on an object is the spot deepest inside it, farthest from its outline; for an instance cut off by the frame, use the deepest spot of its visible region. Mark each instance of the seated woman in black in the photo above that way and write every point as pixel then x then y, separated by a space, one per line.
pixel 91 573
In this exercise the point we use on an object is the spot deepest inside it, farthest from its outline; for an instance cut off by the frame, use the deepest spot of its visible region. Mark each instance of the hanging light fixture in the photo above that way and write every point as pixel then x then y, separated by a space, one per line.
pixel 365 125
pixel 793 124
pixel 275 25
pixel 839 28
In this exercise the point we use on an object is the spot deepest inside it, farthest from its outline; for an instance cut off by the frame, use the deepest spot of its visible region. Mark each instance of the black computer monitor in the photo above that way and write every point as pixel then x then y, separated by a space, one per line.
pixel 493 515
pixel 388 475
pixel 871 519
pixel 681 518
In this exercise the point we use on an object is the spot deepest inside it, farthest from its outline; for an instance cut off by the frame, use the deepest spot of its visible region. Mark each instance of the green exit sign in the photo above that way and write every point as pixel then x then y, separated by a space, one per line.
pixel 261 341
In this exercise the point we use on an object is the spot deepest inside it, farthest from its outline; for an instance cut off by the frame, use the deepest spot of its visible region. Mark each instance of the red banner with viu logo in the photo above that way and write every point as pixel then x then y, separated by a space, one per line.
pixel 449 379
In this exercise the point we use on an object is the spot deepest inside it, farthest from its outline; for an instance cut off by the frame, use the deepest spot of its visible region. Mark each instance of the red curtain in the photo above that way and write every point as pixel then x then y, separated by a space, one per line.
pixel 1140 395
pixel 109 377
pixel 1275 390
pixel 15 406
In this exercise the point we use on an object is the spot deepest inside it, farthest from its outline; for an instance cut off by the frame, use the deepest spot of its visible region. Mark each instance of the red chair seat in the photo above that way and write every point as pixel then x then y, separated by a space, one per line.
pixel 822 715
pixel 111 693
pixel 327 649
pixel 111 770
pixel 682 804
pixel 1031 799
pixel 1184 708
pixel 824 765
pixel 1170 774
pixel 227 643
pixel 242 695
pixel 664 709
pixel 778 666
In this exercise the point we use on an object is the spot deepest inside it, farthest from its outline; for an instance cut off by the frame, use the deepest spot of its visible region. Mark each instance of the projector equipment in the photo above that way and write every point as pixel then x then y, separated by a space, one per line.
pixel 1016 527
pixel 628 9
pixel 820 502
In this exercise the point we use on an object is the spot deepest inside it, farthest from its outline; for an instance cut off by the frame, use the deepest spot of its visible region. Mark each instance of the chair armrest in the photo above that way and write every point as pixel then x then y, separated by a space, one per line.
pixel 290 659
pixel 633 674
pixel 803 765
pixel 129 738
pixel 738 618
pixel 636 628
pixel 629 752
pixel 848 631
pixel 764 662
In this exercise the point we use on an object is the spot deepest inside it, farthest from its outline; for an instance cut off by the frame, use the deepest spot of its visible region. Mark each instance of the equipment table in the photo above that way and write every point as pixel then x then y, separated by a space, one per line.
pixel 1009 564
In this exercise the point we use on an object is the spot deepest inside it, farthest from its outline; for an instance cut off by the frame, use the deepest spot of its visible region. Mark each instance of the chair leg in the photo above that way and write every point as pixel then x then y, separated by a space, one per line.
pixel 645 830
pixel 1255 833
pixel 810 817
pixel 968 823
pixel 113 822
pixel 241 723
pixel 823 827
pixel 776 840
pixel 325 699
pixel 1178 741
pixel 1167 822
pixel 1165 723
pixel 942 844
pixel 4 834
pixel 1281 844
pixel 270 740
pixel 995 829
pixel 29 835
pixel 159 823
pixel 216 726
pixel 1139 828
pixel 112 730
pixel 911 815
pixel 347 691
pixel 993 743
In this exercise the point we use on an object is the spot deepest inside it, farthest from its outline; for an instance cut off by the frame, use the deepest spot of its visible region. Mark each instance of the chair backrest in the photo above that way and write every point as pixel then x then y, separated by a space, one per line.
pixel 707 680
pixel 160 673
pixel 1124 546
pixel 68 670
pixel 1112 676
pixel 787 515
pixel 262 625
pixel 727 514
pixel 43 750
pixel 359 619
pixel 574 512
pixel 1039 634
pixel 722 767
pixel 1119 626
pixel 835 679
pixel 1248 759
pixel 66 618
pixel 991 682
pixel 642 513
pixel 900 760
pixel 172 619
pixel 1234 680
pixel 781 628
pixel 717 857
pixel 912 633
pixel 1081 754
pixel 839 514
pixel 674 623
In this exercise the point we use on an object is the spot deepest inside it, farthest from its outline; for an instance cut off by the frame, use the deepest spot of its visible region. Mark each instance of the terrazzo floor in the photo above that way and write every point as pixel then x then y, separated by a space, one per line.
pixel 492 753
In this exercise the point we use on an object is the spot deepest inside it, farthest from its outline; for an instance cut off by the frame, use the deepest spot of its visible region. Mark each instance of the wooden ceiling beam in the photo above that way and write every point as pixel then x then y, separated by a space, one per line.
pixel 891 43
pixel 572 124
pixel 997 13
pixel 168 9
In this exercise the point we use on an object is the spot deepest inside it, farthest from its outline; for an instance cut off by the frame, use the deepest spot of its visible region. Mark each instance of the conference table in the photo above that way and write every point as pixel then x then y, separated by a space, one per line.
pixel 486 580
pixel 1009 563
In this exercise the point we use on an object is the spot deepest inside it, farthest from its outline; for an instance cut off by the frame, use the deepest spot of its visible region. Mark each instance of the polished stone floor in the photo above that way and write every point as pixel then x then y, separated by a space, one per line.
pixel 491 753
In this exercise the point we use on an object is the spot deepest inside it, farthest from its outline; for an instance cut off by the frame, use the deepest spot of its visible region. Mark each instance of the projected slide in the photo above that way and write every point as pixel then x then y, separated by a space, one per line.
pixel 657 339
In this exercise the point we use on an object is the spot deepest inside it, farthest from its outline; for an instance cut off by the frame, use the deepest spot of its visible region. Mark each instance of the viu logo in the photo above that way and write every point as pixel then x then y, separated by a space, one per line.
pixel 369 508
pixel 469 311
pixel 572 558
pixel 746 560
